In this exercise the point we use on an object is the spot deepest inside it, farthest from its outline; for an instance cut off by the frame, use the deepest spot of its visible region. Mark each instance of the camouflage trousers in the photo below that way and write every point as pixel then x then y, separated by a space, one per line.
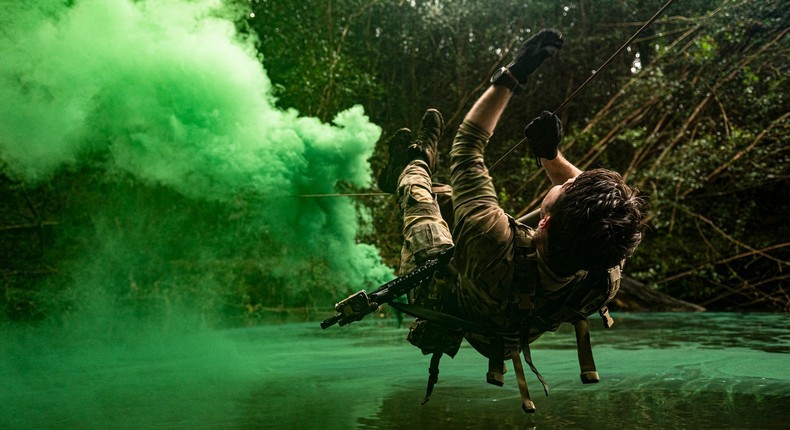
pixel 483 234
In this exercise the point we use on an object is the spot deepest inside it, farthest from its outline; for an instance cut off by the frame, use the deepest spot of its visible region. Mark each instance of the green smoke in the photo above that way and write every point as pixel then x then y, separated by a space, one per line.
pixel 142 140
pixel 158 121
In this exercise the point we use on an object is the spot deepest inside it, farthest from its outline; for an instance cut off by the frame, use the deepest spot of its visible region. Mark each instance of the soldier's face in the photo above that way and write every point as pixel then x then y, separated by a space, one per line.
pixel 554 193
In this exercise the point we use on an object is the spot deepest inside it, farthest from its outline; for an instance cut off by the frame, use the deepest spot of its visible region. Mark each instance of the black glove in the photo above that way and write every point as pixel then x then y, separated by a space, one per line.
pixel 532 53
pixel 544 134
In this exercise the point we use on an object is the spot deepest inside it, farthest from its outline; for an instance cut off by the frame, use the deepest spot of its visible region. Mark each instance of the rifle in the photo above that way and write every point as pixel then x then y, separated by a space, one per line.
pixel 360 304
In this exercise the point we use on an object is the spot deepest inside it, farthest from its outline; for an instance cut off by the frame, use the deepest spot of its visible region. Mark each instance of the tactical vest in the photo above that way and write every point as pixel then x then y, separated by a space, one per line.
pixel 531 312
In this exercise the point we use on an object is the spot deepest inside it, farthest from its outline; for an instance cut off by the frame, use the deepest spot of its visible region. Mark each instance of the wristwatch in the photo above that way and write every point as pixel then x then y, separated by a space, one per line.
pixel 505 78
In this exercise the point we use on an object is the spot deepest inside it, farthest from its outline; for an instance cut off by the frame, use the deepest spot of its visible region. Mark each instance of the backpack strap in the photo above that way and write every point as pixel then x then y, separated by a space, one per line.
pixel 589 374
pixel 528 358
pixel 433 375
pixel 496 362
pixel 525 275
pixel 526 401
pixel 608 321
pixel 584 350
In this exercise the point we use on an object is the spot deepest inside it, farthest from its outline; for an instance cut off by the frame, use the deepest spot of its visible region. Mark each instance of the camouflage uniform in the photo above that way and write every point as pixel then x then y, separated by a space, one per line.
pixel 488 241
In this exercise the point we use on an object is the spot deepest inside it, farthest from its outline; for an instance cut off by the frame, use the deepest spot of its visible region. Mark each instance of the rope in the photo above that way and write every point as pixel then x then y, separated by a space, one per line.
pixel 566 101
pixel 591 77
pixel 341 195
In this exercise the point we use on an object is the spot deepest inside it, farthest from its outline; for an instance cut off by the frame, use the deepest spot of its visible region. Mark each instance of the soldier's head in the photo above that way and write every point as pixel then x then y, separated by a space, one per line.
pixel 590 222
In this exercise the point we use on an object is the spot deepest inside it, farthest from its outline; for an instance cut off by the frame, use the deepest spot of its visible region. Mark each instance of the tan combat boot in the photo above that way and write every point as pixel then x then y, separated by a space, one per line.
pixel 426 145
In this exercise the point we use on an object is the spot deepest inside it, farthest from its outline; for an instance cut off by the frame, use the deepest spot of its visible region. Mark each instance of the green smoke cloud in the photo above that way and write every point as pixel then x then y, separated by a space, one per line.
pixel 161 118
pixel 142 140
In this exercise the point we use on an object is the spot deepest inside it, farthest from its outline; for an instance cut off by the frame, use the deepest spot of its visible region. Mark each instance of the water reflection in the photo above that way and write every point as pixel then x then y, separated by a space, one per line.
pixel 712 330
pixel 594 409
pixel 702 370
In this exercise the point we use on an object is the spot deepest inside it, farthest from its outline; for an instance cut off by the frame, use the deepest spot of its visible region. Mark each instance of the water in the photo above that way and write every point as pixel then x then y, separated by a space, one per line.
pixel 690 371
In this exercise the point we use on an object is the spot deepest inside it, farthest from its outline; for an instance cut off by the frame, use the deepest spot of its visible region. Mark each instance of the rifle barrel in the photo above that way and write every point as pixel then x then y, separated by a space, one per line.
pixel 329 322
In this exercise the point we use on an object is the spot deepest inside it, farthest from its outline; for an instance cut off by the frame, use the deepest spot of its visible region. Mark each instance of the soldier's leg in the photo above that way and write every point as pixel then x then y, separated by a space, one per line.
pixel 425 233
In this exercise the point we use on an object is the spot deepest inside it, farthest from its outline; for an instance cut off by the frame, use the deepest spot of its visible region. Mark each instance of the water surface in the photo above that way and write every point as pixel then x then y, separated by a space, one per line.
pixel 701 370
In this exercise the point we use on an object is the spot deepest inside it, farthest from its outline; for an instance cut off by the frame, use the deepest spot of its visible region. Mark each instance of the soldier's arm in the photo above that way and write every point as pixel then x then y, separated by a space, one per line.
pixel 489 107
pixel 487 110
pixel 559 170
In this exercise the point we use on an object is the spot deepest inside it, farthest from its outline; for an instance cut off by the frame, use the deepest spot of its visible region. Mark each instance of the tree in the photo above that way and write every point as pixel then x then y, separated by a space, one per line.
pixel 694 113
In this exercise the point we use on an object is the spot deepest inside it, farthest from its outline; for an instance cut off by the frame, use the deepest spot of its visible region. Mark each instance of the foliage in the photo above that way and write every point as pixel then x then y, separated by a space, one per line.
pixel 694 113
pixel 716 158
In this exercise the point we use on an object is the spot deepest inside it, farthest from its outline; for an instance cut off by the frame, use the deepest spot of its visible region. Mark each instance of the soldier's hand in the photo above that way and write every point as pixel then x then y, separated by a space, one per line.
pixel 544 134
pixel 532 53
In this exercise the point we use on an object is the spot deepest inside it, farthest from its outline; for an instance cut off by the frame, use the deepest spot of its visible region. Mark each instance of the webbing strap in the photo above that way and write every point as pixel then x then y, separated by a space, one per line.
pixel 608 322
pixel 526 401
pixel 584 350
pixel 433 376
pixel 496 362
pixel 528 359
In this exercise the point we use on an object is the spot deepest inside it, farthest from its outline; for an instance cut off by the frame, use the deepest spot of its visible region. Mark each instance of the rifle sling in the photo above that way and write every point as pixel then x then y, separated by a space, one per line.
pixel 442 318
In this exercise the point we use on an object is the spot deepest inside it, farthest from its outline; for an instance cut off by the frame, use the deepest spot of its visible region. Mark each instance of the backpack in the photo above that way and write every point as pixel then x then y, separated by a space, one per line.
pixel 534 311
pixel 436 331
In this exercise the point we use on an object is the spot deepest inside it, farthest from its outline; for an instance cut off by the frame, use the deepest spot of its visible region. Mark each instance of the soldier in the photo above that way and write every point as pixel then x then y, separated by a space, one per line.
pixel 589 221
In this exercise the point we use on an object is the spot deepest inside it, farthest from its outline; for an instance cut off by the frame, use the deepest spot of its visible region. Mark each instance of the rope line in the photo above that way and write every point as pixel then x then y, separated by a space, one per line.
pixel 564 102
pixel 341 195
pixel 628 42
pixel 591 77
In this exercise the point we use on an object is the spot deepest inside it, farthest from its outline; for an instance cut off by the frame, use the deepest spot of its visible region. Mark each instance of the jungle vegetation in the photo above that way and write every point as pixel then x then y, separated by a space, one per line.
pixel 694 113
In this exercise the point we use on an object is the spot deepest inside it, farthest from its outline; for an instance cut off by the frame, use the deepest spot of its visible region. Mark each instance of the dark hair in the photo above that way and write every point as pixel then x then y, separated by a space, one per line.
pixel 595 223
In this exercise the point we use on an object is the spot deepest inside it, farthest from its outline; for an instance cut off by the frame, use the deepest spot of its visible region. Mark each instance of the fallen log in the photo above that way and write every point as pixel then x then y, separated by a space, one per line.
pixel 635 296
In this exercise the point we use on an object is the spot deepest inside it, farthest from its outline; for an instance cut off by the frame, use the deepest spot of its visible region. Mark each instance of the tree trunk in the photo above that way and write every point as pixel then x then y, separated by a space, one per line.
pixel 635 296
